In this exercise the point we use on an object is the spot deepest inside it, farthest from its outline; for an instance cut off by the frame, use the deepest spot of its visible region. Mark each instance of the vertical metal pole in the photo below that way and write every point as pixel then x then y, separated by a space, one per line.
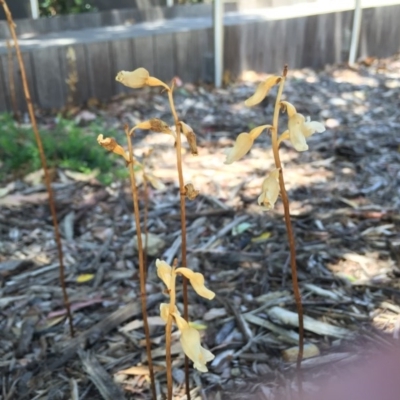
pixel 35 9
pixel 218 42
pixel 356 32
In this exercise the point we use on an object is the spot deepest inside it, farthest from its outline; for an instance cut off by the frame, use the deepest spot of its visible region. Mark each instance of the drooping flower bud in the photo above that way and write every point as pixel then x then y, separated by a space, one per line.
pixel 190 137
pixel 111 144
pixel 197 281
pixel 139 78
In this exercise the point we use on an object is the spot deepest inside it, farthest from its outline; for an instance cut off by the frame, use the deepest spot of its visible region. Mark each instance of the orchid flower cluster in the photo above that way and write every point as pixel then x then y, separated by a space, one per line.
pixel 190 337
pixel 299 129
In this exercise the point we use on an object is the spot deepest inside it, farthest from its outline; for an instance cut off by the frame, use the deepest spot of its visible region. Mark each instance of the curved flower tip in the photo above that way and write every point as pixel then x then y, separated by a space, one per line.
pixel 312 127
pixel 262 91
pixel 164 272
pixel 133 79
pixel 290 109
pixel 256 132
pixel 270 190
pixel 191 345
pixel 197 281
pixel 241 147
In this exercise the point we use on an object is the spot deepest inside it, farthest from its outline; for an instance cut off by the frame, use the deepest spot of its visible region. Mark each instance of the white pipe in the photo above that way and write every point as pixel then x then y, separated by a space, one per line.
pixel 35 9
pixel 356 32
pixel 170 3
pixel 218 42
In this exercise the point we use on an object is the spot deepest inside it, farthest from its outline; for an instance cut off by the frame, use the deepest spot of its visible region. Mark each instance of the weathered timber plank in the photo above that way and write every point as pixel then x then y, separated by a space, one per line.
pixel 204 48
pixel 143 53
pixel 164 56
pixel 50 85
pixel 122 60
pixel 30 76
pixel 188 58
pixel 5 102
pixel 232 61
pixel 101 76
pixel 82 92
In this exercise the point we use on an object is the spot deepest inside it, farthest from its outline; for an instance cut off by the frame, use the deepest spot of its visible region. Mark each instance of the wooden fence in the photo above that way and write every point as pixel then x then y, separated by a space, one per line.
pixel 182 47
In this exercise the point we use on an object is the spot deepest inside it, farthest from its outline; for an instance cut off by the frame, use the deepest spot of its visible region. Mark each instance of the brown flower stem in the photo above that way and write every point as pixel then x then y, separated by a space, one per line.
pixel 136 211
pixel 145 218
pixel 292 245
pixel 44 164
pixel 182 192
pixel 168 331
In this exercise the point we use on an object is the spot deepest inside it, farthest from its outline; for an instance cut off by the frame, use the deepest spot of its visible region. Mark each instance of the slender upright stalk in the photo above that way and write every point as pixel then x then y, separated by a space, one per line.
pixel 168 331
pixel 44 164
pixel 183 222
pixel 292 246
pixel 142 273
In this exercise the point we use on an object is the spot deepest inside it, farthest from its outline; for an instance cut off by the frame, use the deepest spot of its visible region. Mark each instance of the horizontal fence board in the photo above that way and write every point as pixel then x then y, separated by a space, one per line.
pixel 184 49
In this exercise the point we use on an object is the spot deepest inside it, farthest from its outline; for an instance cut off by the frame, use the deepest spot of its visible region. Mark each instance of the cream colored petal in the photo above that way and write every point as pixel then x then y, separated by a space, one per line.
pixel 191 345
pixel 270 190
pixel 181 322
pixel 262 91
pixel 133 79
pixel 256 132
pixel 164 311
pixel 164 272
pixel 284 136
pixel 312 127
pixel 296 128
pixel 290 109
pixel 197 281
pixel 241 147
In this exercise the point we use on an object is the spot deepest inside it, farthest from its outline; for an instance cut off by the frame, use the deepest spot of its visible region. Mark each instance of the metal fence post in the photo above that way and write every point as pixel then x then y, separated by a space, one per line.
pixel 218 22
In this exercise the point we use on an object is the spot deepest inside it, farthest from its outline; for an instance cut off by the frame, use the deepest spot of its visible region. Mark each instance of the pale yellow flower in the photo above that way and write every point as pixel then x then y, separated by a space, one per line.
pixel 300 128
pixel 262 91
pixel 138 78
pixel 197 281
pixel 191 345
pixel 243 144
pixel 164 311
pixel 164 272
pixel 270 190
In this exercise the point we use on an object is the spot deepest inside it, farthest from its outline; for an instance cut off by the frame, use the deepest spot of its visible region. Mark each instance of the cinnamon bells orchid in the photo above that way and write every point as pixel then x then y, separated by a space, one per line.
pixel 243 144
pixel 300 127
pixel 138 78
pixel 270 190
pixel 190 337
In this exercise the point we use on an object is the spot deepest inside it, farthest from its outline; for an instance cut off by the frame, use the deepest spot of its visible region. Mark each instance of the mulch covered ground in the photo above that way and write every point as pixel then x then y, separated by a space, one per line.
pixel 345 201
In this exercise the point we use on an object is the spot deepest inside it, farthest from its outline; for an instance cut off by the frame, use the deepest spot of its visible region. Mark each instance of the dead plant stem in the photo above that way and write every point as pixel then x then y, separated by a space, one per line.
pixel 43 162
pixel 291 239
pixel 183 223
pixel 143 296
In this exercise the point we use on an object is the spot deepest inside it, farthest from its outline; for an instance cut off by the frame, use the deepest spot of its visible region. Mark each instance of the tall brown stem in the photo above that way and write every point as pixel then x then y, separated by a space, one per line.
pixel 142 272
pixel 183 223
pixel 292 245
pixel 44 164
